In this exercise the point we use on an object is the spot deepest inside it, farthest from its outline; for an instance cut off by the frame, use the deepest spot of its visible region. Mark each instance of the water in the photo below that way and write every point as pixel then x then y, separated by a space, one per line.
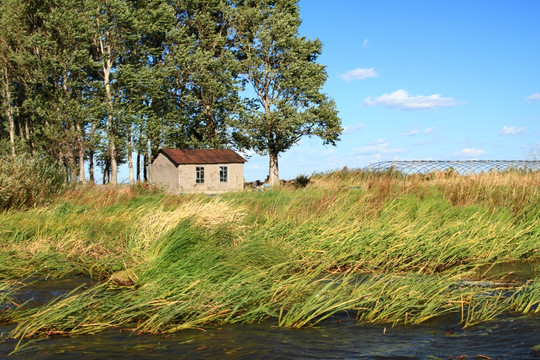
pixel 501 339
pixel 337 338
pixel 41 291
pixel 510 271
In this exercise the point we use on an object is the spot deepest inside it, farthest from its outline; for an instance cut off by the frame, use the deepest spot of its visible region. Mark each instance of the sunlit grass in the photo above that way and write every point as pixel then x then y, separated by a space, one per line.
pixel 378 247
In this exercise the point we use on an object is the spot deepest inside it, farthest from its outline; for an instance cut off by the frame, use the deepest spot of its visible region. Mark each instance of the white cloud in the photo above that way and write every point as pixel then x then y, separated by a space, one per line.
pixel 365 43
pixel 411 133
pixel 416 132
pixel 401 100
pixel 511 130
pixel 534 97
pixel 379 147
pixel 471 152
pixel 358 74
pixel 353 129
pixel 421 143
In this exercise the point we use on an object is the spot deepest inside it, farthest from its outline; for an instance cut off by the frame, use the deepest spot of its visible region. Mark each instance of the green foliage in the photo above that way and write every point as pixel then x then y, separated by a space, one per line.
pixel 281 67
pixel 27 182
pixel 98 80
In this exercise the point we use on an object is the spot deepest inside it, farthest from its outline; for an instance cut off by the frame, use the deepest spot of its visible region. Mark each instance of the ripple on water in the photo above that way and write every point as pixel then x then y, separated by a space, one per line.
pixel 335 338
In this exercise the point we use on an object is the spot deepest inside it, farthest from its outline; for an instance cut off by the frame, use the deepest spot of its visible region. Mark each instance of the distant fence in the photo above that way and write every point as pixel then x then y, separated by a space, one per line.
pixel 462 167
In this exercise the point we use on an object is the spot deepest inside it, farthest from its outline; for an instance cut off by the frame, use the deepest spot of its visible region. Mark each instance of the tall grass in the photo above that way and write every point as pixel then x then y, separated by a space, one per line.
pixel 381 247
pixel 8 302
pixel 27 181
pixel 527 298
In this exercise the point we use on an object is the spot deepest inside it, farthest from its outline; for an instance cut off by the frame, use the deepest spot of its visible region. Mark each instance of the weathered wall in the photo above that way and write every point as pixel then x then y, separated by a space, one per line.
pixel 211 178
pixel 165 174
pixel 182 179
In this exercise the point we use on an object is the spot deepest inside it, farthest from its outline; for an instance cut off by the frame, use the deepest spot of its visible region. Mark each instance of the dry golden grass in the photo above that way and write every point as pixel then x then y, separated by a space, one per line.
pixel 366 179
pixel 98 196
pixel 491 189
pixel 153 223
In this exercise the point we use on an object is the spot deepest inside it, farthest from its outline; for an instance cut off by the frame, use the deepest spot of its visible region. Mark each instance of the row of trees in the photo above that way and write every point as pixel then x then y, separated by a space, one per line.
pixel 95 81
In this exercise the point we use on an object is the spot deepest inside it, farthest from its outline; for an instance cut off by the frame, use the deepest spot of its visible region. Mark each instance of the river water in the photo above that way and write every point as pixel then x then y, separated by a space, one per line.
pixel 337 338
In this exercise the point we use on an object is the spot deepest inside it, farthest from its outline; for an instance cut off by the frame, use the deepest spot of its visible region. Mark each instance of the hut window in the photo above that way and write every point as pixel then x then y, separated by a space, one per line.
pixel 223 174
pixel 199 179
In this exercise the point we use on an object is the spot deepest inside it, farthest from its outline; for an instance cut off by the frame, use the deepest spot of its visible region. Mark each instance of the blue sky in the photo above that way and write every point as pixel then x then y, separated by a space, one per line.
pixel 413 80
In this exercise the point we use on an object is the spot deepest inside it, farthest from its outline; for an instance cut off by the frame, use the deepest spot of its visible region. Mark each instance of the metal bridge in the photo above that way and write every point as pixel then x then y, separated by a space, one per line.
pixel 462 167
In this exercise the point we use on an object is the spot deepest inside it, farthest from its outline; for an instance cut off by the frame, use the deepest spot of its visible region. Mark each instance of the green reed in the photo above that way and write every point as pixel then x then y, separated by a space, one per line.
pixel 381 248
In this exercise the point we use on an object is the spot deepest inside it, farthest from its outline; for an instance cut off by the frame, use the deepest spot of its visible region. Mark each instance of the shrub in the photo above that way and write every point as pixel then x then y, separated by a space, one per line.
pixel 27 181
pixel 301 181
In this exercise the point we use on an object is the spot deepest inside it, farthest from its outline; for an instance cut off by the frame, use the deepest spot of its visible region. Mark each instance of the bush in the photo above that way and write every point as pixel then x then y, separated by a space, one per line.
pixel 302 181
pixel 26 181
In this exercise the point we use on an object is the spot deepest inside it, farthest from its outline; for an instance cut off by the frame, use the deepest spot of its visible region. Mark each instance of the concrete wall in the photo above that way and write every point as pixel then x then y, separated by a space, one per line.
pixel 235 180
pixel 182 179
pixel 165 174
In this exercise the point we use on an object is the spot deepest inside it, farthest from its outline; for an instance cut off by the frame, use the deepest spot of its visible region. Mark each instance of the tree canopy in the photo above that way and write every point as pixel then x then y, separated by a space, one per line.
pixel 92 82
pixel 281 67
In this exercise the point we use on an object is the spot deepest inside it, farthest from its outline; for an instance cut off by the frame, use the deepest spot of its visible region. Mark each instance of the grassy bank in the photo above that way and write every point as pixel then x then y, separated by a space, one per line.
pixel 383 247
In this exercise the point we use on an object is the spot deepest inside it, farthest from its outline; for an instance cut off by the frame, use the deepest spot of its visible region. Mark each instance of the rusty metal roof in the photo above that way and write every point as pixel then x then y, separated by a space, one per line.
pixel 201 156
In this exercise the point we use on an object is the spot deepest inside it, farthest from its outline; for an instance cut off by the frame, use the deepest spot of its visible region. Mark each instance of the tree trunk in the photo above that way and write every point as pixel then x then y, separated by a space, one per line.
pixel 149 162
pixel 20 127
pixel 130 165
pixel 91 154
pixel 114 164
pixel 138 166
pixel 107 65
pixel 145 169
pixel 130 158
pixel 27 137
pixel 106 172
pixel 82 177
pixel 91 166
pixel 71 165
pixel 273 175
pixel 110 124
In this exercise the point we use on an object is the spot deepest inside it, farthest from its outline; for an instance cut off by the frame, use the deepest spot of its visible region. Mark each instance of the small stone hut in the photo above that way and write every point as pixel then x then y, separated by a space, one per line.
pixel 198 170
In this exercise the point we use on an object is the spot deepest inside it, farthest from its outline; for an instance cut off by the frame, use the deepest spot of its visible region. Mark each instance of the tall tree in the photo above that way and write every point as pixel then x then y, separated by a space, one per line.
pixel 212 69
pixel 281 67
pixel 12 37
pixel 113 32
pixel 68 31
pixel 85 79
pixel 156 19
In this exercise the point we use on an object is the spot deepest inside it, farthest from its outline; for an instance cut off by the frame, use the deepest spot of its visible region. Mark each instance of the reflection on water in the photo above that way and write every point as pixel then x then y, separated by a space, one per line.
pixel 510 271
pixel 336 338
